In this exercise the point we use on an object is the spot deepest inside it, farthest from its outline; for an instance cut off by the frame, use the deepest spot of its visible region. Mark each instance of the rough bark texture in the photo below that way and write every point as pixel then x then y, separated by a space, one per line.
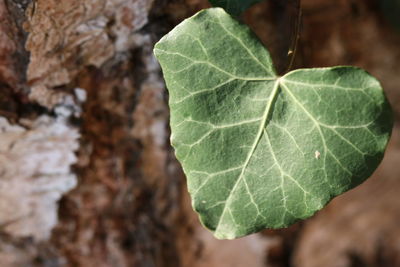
pixel 83 116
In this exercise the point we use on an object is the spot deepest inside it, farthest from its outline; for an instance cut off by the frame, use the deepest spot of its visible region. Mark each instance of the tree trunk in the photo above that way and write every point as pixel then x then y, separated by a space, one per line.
pixel 87 174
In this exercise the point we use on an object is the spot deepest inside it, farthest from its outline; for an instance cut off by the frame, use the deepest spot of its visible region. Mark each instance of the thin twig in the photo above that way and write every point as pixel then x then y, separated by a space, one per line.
pixel 295 38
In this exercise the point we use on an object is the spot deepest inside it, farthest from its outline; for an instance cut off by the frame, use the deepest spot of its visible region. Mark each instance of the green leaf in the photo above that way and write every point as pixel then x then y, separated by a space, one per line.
pixel 260 150
pixel 234 7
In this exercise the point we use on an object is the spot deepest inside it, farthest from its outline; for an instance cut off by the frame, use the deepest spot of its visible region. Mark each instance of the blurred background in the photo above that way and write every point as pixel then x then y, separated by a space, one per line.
pixel 87 173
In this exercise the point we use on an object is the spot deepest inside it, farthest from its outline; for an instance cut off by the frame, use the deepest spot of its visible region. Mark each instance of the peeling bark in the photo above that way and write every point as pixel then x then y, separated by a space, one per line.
pixel 34 173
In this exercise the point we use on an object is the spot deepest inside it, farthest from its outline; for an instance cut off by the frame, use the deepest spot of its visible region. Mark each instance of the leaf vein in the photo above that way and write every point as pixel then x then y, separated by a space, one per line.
pixel 251 152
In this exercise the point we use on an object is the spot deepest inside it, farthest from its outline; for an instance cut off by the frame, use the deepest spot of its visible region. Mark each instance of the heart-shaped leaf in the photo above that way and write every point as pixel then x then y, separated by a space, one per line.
pixel 261 150
pixel 234 7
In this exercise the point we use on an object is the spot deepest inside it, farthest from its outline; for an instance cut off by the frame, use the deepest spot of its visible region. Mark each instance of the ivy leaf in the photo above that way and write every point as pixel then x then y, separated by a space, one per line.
pixel 234 7
pixel 262 151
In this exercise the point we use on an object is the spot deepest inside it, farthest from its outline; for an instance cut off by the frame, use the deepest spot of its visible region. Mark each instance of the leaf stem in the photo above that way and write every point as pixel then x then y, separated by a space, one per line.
pixel 295 39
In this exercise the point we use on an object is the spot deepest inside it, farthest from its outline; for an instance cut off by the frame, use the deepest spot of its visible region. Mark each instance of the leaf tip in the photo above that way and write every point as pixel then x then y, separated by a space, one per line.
pixel 225 235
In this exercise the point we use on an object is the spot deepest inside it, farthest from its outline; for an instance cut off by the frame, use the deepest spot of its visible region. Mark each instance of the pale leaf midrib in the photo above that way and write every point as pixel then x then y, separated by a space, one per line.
pixel 264 120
